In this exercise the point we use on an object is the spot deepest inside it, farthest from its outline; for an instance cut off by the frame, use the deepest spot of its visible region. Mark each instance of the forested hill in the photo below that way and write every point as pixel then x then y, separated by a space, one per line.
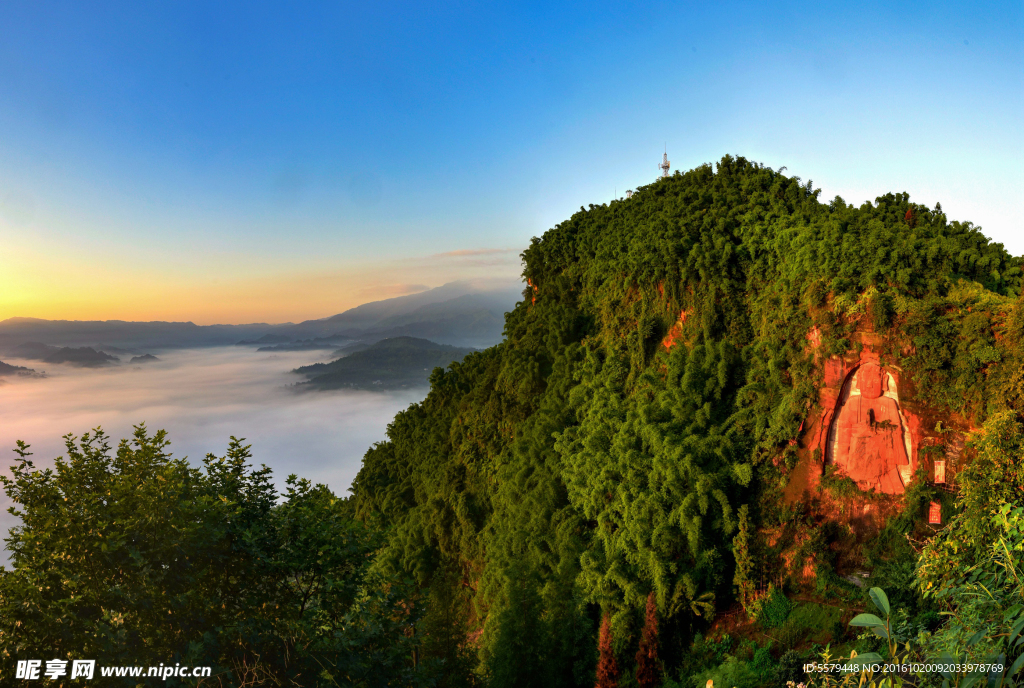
pixel 642 411
pixel 393 363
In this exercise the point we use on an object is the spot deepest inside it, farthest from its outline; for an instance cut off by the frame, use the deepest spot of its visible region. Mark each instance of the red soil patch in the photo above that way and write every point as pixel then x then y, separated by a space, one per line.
pixel 677 330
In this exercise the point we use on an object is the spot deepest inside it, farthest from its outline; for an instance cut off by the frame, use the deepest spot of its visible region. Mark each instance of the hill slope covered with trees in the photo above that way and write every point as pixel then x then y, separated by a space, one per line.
pixel 393 363
pixel 582 465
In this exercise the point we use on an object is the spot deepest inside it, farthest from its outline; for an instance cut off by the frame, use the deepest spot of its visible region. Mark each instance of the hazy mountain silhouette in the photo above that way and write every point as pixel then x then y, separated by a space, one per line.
pixel 84 356
pixel 123 335
pixel 465 313
pixel 8 369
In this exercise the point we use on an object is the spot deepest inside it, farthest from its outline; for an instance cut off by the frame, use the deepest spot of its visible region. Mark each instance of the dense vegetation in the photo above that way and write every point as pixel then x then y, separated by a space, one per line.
pixel 134 558
pixel 582 504
pixel 577 468
pixel 393 363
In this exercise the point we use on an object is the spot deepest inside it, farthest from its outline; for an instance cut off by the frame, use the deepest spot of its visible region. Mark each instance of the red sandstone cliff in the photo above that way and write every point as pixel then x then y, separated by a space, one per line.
pixel 870 425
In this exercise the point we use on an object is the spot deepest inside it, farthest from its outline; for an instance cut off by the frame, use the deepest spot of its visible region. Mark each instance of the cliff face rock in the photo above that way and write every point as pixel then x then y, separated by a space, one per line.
pixel 871 426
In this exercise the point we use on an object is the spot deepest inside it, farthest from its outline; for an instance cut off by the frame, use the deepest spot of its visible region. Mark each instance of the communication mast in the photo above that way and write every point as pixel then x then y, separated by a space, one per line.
pixel 665 164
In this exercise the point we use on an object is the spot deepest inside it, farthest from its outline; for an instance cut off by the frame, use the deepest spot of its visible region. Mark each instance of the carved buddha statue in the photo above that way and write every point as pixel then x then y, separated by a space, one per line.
pixel 868 438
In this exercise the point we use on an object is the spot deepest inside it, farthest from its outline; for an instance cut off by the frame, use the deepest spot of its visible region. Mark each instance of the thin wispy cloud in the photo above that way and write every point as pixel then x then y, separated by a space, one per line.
pixel 474 253
pixel 507 258
pixel 387 291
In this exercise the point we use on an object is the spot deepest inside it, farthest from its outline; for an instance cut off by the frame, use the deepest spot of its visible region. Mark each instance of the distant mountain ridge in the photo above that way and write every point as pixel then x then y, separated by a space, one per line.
pixel 464 313
pixel 458 313
pixel 123 334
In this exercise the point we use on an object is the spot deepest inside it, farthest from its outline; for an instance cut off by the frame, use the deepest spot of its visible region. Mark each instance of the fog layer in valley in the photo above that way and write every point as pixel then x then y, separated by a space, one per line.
pixel 201 397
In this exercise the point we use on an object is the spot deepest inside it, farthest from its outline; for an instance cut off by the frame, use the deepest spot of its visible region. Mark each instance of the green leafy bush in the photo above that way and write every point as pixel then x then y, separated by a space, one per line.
pixel 133 558
pixel 772 610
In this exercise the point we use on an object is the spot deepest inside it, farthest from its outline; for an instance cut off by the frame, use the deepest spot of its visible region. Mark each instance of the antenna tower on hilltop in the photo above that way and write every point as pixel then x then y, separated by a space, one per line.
pixel 665 164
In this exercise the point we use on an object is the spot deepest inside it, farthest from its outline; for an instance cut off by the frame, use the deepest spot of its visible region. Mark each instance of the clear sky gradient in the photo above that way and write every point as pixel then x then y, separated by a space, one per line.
pixel 266 162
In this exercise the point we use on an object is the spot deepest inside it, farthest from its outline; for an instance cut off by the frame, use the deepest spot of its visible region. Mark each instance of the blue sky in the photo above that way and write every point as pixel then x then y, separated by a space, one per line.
pixel 234 162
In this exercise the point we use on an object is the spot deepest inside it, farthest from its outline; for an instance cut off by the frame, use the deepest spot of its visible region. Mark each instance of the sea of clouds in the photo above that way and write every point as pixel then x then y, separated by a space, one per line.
pixel 201 397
